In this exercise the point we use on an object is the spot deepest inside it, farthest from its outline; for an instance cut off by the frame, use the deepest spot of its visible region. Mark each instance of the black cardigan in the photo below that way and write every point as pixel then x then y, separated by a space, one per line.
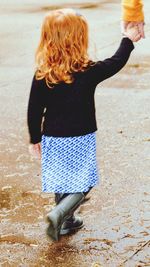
pixel 69 109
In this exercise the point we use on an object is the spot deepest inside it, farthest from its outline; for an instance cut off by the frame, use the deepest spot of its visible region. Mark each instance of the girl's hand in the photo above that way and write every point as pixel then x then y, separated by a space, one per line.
pixel 132 33
pixel 35 150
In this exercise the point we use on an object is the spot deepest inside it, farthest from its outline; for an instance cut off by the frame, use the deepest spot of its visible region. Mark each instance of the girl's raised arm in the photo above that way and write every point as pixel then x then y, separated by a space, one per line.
pixel 103 70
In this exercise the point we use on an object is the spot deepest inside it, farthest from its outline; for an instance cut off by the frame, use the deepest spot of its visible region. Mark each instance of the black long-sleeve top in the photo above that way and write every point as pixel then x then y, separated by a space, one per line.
pixel 69 109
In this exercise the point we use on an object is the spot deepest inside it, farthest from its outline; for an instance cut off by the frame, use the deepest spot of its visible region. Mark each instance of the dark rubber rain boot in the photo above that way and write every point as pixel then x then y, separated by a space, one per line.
pixel 72 223
pixel 61 212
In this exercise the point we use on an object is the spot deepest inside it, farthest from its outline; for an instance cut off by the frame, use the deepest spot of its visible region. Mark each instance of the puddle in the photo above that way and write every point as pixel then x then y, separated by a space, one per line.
pixel 24 206
pixel 5 199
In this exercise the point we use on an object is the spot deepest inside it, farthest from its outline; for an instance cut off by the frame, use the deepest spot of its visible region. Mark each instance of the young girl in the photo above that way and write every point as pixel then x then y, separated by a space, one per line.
pixel 61 112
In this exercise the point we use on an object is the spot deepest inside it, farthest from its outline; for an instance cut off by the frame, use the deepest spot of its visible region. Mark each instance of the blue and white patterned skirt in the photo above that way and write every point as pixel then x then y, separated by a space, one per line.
pixel 69 163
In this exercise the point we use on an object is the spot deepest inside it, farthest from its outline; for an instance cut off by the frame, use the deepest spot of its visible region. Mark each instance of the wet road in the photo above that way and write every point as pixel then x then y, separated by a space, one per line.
pixel 117 215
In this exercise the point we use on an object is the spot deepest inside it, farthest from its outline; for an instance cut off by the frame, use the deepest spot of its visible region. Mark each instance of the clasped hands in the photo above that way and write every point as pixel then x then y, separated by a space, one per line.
pixel 133 30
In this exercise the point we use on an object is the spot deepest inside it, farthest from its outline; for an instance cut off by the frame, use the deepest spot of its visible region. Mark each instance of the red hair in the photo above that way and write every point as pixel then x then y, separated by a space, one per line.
pixel 63 45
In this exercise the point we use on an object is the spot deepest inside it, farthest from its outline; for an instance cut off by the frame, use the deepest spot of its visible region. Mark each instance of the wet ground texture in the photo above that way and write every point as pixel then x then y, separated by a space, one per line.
pixel 117 214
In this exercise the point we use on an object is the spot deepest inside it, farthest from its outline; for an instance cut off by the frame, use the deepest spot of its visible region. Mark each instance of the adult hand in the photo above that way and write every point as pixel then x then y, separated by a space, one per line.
pixel 130 24
pixel 35 150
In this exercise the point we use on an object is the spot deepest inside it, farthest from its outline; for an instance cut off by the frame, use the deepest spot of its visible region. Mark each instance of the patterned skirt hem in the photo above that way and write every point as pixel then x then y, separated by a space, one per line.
pixel 44 190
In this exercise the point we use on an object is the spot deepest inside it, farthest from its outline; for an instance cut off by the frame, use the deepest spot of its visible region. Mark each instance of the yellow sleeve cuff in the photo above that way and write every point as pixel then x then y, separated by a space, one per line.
pixel 132 10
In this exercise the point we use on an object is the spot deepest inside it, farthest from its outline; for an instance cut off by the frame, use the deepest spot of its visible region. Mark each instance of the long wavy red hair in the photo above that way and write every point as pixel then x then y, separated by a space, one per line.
pixel 63 46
